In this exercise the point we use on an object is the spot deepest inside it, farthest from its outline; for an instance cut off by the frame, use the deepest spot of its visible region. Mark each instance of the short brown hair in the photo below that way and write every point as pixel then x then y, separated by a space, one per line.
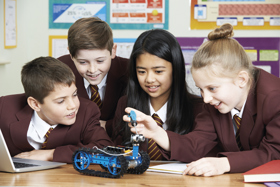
pixel 89 33
pixel 224 51
pixel 41 75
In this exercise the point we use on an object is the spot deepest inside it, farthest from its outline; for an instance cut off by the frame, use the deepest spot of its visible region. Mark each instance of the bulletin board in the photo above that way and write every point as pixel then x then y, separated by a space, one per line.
pixel 264 53
pixel 242 14
pixel 119 14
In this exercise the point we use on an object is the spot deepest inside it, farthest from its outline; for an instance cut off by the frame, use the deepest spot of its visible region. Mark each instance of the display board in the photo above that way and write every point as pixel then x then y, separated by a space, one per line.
pixel 242 14
pixel 119 14
pixel 63 13
pixel 139 14
pixel 264 53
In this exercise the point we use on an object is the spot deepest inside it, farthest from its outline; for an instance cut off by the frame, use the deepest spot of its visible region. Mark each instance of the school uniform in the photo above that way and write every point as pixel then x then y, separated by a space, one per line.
pixel 122 104
pixel 15 118
pixel 115 85
pixel 259 130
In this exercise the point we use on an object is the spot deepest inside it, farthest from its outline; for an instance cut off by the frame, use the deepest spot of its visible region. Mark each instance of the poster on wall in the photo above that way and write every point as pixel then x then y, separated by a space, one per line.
pixel 139 14
pixel 124 46
pixel 10 24
pixel 119 14
pixel 58 45
pixel 63 13
pixel 242 14
pixel 264 53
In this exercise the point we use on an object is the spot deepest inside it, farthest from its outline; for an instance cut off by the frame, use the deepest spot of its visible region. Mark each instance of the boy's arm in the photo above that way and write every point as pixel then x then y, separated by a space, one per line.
pixel 46 155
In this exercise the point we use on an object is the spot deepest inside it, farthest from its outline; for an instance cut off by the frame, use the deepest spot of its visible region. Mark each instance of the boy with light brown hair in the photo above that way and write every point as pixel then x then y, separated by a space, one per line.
pixel 101 76
pixel 49 122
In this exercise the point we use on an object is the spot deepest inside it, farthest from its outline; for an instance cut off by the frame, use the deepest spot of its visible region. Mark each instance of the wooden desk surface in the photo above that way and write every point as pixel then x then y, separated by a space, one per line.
pixel 68 176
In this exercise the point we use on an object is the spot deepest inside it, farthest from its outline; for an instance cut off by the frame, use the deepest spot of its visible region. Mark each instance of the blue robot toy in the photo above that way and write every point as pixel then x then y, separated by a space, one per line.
pixel 115 160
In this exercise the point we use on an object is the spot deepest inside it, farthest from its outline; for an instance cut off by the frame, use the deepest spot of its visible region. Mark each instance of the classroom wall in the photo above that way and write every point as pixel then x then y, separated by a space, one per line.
pixel 33 33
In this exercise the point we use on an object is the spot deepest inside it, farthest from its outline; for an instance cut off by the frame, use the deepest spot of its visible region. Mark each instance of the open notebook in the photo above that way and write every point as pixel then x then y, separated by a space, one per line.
pixel 175 168
pixel 13 165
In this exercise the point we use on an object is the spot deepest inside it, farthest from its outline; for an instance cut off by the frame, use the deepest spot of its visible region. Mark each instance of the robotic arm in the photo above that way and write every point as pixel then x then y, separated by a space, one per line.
pixel 135 138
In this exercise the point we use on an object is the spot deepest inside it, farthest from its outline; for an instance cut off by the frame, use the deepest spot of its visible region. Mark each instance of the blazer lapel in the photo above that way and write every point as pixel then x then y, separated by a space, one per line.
pixel 248 120
pixel 19 129
pixel 226 134
pixel 57 136
pixel 80 86
pixel 111 89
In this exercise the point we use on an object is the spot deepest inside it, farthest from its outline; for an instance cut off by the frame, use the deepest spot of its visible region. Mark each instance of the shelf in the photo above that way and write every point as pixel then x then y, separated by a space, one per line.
pixel 4 62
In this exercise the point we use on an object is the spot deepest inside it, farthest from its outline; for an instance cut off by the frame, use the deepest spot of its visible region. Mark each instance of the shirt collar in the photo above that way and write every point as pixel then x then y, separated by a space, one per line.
pixel 239 113
pixel 40 125
pixel 161 112
pixel 100 85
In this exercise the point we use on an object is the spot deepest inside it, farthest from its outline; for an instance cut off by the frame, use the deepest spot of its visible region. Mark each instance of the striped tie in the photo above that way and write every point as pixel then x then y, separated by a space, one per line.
pixel 237 120
pixel 95 97
pixel 44 145
pixel 153 149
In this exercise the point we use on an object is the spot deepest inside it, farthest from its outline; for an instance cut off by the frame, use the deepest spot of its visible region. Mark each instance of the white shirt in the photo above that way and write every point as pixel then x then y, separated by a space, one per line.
pixel 161 113
pixel 37 130
pixel 101 87
pixel 239 114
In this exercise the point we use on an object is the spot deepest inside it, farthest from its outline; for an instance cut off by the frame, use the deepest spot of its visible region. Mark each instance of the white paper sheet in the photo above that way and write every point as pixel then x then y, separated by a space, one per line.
pixel 175 168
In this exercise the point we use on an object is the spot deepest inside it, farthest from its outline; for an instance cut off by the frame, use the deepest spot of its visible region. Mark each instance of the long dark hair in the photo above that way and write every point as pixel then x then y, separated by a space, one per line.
pixel 164 45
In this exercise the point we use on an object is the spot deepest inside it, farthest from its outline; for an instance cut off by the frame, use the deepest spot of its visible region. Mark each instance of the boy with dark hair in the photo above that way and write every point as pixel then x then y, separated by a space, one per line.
pixel 49 122
pixel 101 76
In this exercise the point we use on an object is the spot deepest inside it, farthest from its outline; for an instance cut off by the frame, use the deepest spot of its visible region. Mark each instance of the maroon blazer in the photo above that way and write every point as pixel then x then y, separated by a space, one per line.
pixel 15 117
pixel 122 104
pixel 115 86
pixel 259 130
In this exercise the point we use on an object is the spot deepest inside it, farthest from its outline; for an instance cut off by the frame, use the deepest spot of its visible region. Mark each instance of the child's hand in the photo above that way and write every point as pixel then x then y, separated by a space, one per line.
pixel 208 166
pixel 46 155
pixel 146 125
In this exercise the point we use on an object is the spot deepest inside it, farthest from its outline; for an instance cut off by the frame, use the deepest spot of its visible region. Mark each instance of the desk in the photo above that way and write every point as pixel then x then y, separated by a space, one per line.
pixel 67 176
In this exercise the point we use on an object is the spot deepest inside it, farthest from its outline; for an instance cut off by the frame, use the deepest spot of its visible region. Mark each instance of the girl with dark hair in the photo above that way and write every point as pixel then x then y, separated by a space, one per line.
pixel 157 86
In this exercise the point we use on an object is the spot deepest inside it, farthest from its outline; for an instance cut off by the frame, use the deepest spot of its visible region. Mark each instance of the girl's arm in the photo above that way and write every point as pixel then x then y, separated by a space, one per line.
pixel 263 134
pixel 147 126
